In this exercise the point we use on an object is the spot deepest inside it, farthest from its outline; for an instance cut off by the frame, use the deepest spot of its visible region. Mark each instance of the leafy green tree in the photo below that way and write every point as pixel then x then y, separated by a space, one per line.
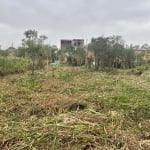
pixel 46 50
pixel 80 56
pixel 32 45
pixel 75 56
pixel 110 53
pixel 145 46
pixel 43 52
pixel 130 58
pixel 42 39
pixel 99 46
pixel 21 52
pixel 118 55
pixel 53 53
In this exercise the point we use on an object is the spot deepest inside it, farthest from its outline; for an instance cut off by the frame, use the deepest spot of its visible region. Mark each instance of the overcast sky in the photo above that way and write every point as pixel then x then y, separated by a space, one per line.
pixel 64 19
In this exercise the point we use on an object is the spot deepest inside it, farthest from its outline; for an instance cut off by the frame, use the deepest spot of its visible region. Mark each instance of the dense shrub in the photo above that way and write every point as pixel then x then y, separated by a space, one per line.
pixel 11 65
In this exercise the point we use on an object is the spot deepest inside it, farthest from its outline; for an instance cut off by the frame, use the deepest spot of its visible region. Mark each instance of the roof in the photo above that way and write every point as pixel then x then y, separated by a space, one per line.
pixel 66 40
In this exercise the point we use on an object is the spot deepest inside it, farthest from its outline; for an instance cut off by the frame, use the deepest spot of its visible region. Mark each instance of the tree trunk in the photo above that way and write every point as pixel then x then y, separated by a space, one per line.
pixel 47 62
pixel 97 64
pixel 33 67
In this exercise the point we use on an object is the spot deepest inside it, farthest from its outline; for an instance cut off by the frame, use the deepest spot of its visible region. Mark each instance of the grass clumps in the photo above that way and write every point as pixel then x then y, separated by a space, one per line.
pixel 11 65
pixel 90 110
pixel 30 82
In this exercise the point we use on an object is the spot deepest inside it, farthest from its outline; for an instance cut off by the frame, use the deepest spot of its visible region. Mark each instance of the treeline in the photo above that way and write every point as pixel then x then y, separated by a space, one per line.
pixel 111 52
pixel 107 53
pixel 34 50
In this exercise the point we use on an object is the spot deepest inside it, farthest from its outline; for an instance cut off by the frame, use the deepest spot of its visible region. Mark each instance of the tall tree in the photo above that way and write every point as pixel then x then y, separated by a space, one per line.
pixel 30 42
pixel 145 46
pixel 111 53
pixel 80 56
pixel 99 46
pixel 42 39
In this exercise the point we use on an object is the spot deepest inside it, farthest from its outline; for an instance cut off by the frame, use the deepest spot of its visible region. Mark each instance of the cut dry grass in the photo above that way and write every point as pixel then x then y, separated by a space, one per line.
pixel 75 110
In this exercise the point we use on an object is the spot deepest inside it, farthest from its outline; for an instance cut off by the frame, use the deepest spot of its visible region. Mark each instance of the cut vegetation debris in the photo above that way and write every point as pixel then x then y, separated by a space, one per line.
pixel 75 110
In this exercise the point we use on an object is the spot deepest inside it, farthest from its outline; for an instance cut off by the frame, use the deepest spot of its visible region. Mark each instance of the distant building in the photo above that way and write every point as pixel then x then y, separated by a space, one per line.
pixel 65 44
pixel 78 42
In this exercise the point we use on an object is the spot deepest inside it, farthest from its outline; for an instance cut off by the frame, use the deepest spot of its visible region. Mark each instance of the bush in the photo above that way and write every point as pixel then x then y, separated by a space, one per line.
pixel 143 68
pixel 10 65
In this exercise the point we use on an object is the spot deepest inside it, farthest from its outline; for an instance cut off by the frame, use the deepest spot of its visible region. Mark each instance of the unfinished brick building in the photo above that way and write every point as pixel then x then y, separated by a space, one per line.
pixel 65 44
